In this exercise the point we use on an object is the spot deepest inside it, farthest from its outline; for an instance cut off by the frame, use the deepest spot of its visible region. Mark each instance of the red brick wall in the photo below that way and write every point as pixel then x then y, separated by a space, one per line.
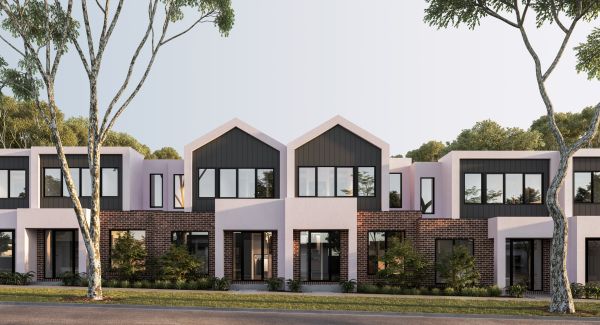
pixel 343 256
pixel 158 226
pixel 228 255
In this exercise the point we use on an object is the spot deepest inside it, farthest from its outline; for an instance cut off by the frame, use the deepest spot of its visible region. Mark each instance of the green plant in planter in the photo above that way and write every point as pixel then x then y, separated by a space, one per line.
pixel 348 285
pixel 274 284
pixel 517 290
pixel 294 285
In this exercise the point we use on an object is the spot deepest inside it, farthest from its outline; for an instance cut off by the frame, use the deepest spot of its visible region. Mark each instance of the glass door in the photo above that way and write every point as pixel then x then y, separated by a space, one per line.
pixel 60 251
pixel 524 263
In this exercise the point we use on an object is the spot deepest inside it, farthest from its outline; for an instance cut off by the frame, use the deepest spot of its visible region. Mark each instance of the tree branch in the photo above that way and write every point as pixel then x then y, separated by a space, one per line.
pixel 102 8
pixel 589 134
pixel 189 28
pixel 82 57
pixel 556 18
pixel 487 10
pixel 561 50
pixel 88 32
pixel 106 33
pixel 12 46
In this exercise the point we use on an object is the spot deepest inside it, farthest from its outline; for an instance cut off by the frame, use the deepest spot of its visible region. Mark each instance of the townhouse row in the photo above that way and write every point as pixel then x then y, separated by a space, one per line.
pixel 322 209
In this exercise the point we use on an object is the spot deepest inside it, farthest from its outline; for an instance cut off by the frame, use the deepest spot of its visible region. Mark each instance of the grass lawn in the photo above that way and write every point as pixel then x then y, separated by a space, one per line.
pixel 293 301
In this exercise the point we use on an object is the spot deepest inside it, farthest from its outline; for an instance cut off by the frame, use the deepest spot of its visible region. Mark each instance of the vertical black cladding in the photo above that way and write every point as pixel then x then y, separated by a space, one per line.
pixel 340 147
pixel 503 166
pixel 233 149
pixel 16 163
pixel 81 161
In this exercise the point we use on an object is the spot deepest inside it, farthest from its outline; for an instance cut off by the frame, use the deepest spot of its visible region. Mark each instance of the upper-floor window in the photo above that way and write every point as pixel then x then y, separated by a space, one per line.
pixel 336 181
pixel 12 184
pixel 236 183
pixel 427 195
pixel 396 191
pixel 494 188
pixel 109 182
pixel 586 187
pixel 178 191
pixel 55 184
pixel 156 190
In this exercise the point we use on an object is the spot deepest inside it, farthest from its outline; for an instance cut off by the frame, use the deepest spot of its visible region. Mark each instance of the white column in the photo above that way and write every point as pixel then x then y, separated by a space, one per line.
pixel 21 250
pixel 352 253
pixel 500 261
pixel 219 253
pixel 289 253
pixel 82 254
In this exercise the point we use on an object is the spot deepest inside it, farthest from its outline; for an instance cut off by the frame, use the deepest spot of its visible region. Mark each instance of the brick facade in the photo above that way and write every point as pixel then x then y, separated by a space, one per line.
pixel 158 226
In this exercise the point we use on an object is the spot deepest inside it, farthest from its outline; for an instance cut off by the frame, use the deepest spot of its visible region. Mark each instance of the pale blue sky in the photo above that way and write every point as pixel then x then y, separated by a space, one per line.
pixel 289 65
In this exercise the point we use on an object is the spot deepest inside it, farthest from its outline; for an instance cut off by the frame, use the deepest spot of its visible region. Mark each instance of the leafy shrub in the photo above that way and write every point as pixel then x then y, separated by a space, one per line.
pixel 577 290
pixel 124 284
pixel 177 264
pixel 435 291
pixel 449 291
pixel 517 290
pixel 180 284
pixel 84 281
pixel 423 290
pixel 221 284
pixel 191 285
pixel 348 286
pixel 367 288
pixel 112 283
pixel 274 284
pixel 204 283
pixel 405 266
pixel 16 278
pixel 474 292
pixel 71 279
pixel 137 285
pixel 128 256
pixel 411 291
pixel 294 285
pixel 146 284
pixel 592 290
pixel 459 268
pixel 494 291
pixel 160 284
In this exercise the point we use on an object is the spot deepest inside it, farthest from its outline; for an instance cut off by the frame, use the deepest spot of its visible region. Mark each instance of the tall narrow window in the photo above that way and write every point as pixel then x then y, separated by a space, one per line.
pixel 197 244
pixel 110 182
pixel 326 177
pixel 592 254
pixel 252 255
pixel 514 188
pixel 596 185
pixel 3 184
pixel 75 178
pixel 379 242
pixel 306 181
pixel 533 189
pixel 366 181
pixel 86 182
pixel 320 256
pixel 395 191
pixel 246 183
pixel 7 256
pixel 345 181
pixel 472 188
pixel 178 191
pixel 495 188
pixel 427 195
pixel 265 183
pixel 156 190
pixel 227 183
pixel 52 182
pixel 206 182
pixel 583 187
pixel 17 184
pixel 60 252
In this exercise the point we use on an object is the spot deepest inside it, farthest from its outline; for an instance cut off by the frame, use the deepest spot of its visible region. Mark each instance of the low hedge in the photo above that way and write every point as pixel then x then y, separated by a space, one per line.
pixel 492 291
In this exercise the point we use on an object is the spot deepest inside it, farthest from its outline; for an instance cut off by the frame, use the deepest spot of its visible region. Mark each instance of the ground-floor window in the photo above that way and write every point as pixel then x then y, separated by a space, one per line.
pixel 252 255
pixel 444 249
pixel 320 255
pixel 592 260
pixel 379 242
pixel 60 252
pixel 524 263
pixel 139 235
pixel 7 256
pixel 196 243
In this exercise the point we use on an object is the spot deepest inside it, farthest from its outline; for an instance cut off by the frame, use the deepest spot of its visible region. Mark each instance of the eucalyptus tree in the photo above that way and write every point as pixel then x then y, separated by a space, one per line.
pixel 40 32
pixel 565 15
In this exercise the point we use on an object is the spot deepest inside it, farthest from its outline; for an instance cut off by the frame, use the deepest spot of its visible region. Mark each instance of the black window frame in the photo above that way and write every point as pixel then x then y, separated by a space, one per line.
pixel 53 248
pixel 591 173
pixel 110 243
pixel 12 231
pixel 385 232
pixel 102 181
pixel 192 231
pixel 532 268
pixel 484 188
pixel 176 189
pixel 262 252
pixel 8 183
pixel 329 255
pixel 401 191
pixel 432 194
pixel 217 183
pixel 481 188
pixel 335 180
pixel 587 240
pixel 435 252
pixel 162 191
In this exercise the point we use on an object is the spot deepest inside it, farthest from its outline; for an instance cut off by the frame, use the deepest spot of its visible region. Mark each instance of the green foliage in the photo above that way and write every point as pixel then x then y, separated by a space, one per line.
pixel 474 292
pixel 177 264
pixel 72 279
pixel 124 284
pixel 449 291
pixel 128 257
pixel 166 153
pixel 571 125
pixel 274 284
pixel 577 290
pixel 221 284
pixel 429 151
pixel 517 290
pixel 494 291
pixel 405 266
pixel 459 268
pixel 489 135
pixel 295 285
pixel 16 278
pixel 137 285
pixel 435 291
pixel 348 285
pixel 592 290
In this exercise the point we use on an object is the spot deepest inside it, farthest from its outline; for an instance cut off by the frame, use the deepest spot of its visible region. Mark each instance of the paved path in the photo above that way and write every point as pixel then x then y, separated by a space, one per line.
pixel 29 313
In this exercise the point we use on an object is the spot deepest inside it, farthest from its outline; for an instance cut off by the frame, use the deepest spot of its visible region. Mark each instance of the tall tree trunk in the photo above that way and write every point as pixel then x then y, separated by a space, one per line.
pixel 562 299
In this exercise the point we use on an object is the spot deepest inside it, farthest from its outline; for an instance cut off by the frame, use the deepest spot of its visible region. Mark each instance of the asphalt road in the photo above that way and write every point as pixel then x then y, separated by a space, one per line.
pixel 74 314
